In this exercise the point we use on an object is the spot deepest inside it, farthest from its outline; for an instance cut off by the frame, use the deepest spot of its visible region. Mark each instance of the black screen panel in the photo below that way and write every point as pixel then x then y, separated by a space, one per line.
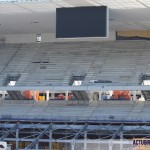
pixel 81 22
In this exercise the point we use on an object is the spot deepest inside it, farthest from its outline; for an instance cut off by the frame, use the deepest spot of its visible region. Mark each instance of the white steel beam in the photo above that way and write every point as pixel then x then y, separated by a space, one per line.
pixel 98 141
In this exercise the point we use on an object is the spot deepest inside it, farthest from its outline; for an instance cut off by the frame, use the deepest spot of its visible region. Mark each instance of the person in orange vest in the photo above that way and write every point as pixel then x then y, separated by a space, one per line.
pixel 61 96
pixel 70 96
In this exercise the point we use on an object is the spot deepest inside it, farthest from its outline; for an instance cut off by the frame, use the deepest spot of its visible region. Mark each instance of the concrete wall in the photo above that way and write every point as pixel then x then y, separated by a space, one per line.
pixel 46 37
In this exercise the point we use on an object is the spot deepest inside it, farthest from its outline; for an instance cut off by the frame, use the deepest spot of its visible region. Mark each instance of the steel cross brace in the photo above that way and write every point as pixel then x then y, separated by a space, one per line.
pixel 116 133
pixel 8 132
pixel 36 140
pixel 83 129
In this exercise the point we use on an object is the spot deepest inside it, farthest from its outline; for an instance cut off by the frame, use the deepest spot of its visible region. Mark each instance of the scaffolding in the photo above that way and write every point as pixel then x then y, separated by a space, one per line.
pixel 76 135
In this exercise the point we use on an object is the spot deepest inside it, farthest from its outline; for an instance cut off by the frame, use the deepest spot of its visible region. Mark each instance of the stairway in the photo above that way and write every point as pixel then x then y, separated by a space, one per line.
pixel 146 95
pixel 81 95
pixel 15 95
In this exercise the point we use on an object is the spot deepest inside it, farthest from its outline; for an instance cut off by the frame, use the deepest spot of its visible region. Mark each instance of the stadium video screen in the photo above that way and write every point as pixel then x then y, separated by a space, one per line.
pixel 82 22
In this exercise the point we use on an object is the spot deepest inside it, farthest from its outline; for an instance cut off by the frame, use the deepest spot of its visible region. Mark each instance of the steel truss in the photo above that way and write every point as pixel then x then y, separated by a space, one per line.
pixel 44 132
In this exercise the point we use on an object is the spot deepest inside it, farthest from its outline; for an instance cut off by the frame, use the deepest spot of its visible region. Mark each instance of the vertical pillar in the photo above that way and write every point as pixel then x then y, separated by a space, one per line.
pixel 94 96
pixel 110 145
pixel 73 145
pixel 35 95
pixel 50 138
pixel 65 146
pixel 100 95
pixel 121 139
pixel 91 96
pixel 52 95
pixel 99 146
pixel 47 95
pixel 9 147
pixel 17 139
pixel 85 140
pixel 37 146
pixel 66 94
pixel 3 95
pixel 134 96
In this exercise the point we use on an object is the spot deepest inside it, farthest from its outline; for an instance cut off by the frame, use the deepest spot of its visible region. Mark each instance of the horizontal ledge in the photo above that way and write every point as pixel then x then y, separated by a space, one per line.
pixel 75 88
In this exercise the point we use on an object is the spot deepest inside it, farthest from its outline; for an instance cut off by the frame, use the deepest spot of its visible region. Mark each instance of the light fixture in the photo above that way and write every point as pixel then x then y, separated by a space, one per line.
pixel 34 22
pixel 38 38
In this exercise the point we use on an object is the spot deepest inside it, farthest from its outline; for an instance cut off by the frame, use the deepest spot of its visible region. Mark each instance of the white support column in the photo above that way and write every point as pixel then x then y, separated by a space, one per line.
pixel 99 146
pixel 3 95
pixel 110 145
pixel 134 96
pixel 121 139
pixel 100 95
pixel 66 95
pixel 50 138
pixel 37 146
pixel 91 96
pixel 47 95
pixel 35 95
pixel 17 139
pixel 85 139
pixel 73 145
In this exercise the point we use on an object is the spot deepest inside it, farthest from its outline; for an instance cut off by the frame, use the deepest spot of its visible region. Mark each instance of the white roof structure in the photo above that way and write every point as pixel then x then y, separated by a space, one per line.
pixel 33 17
